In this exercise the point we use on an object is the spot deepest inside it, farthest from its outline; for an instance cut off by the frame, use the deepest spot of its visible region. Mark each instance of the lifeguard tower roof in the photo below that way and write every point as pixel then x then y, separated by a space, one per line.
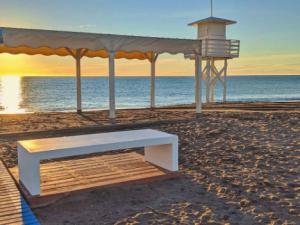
pixel 212 20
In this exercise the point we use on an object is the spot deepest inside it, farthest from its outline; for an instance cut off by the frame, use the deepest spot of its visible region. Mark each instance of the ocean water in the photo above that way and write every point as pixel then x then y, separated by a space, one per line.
pixel 39 94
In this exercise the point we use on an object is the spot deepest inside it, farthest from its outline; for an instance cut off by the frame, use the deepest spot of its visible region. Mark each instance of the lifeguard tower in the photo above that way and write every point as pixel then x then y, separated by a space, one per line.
pixel 215 47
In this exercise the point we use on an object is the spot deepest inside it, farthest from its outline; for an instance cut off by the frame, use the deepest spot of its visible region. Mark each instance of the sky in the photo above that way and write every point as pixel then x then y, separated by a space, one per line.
pixel 268 29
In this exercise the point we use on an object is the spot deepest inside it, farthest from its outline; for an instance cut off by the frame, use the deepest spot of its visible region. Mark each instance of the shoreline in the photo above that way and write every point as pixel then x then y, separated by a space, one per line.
pixel 17 124
pixel 263 104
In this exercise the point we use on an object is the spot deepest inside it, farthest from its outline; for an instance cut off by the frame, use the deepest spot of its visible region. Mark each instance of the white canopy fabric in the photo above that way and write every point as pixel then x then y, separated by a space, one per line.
pixel 47 42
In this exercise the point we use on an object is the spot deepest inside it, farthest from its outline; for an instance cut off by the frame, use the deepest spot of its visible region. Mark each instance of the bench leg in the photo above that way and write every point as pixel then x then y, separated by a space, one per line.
pixel 29 171
pixel 164 156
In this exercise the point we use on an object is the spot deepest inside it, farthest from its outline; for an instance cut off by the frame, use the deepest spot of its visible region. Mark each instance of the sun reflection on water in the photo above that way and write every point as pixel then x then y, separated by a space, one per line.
pixel 10 94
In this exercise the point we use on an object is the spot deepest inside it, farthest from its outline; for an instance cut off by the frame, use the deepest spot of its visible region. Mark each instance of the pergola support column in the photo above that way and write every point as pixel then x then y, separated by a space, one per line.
pixel 111 84
pixel 153 74
pixel 78 83
pixel 198 81
pixel 77 55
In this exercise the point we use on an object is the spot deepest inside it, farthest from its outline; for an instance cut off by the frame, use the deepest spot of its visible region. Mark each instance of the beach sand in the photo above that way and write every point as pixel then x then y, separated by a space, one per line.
pixel 240 164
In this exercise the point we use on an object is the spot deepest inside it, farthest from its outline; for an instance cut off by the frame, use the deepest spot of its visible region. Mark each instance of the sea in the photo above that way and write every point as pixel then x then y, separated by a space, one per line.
pixel 44 94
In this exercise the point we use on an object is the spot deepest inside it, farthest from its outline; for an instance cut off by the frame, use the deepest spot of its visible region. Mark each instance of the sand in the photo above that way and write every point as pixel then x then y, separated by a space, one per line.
pixel 240 164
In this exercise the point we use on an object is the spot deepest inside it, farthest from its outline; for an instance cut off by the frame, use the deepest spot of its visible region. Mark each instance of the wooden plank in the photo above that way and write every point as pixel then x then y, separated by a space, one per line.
pixel 58 166
pixel 72 175
pixel 10 209
pixel 10 203
pixel 96 179
pixel 15 213
pixel 13 208
pixel 15 196
pixel 120 174
pixel 11 193
pixel 117 181
pixel 23 213
pixel 19 220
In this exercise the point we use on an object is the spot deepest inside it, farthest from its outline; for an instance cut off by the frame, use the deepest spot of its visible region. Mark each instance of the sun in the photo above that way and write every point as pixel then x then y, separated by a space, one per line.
pixel 10 94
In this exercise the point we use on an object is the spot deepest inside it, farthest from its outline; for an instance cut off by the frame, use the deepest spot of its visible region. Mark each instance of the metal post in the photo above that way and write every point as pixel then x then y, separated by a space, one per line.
pixel 77 55
pixel 198 80
pixel 212 83
pixel 225 81
pixel 153 73
pixel 112 104
pixel 208 73
pixel 78 80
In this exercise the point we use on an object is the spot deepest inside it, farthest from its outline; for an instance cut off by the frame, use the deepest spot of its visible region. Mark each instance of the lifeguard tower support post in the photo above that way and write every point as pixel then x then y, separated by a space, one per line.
pixel 215 47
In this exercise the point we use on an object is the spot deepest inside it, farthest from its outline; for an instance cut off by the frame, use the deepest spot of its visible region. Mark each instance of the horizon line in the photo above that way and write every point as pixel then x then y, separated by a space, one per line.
pixel 129 76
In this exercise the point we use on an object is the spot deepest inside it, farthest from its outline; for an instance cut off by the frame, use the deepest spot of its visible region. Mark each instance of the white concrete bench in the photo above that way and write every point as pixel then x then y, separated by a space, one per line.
pixel 161 149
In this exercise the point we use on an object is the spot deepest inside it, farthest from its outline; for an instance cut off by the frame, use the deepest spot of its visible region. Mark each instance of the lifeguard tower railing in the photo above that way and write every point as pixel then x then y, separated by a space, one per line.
pixel 218 48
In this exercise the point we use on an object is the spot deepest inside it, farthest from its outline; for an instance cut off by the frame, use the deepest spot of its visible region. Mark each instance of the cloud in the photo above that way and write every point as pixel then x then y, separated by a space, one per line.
pixel 83 26
pixel 267 64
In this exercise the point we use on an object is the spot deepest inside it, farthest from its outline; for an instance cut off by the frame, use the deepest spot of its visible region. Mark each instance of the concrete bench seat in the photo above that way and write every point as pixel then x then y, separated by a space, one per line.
pixel 161 149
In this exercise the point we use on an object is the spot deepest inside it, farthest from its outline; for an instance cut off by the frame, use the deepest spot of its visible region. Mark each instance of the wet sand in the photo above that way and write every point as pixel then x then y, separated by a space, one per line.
pixel 240 164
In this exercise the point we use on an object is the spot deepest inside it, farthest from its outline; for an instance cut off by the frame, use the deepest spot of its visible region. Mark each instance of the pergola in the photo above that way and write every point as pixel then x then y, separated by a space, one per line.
pixel 78 45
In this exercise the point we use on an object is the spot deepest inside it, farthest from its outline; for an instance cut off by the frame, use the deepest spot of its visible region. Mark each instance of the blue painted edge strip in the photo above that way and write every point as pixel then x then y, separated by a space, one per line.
pixel 1 37
pixel 27 214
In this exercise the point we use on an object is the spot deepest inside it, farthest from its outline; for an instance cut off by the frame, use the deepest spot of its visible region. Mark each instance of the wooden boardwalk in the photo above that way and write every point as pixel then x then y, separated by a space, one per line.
pixel 13 208
pixel 63 177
